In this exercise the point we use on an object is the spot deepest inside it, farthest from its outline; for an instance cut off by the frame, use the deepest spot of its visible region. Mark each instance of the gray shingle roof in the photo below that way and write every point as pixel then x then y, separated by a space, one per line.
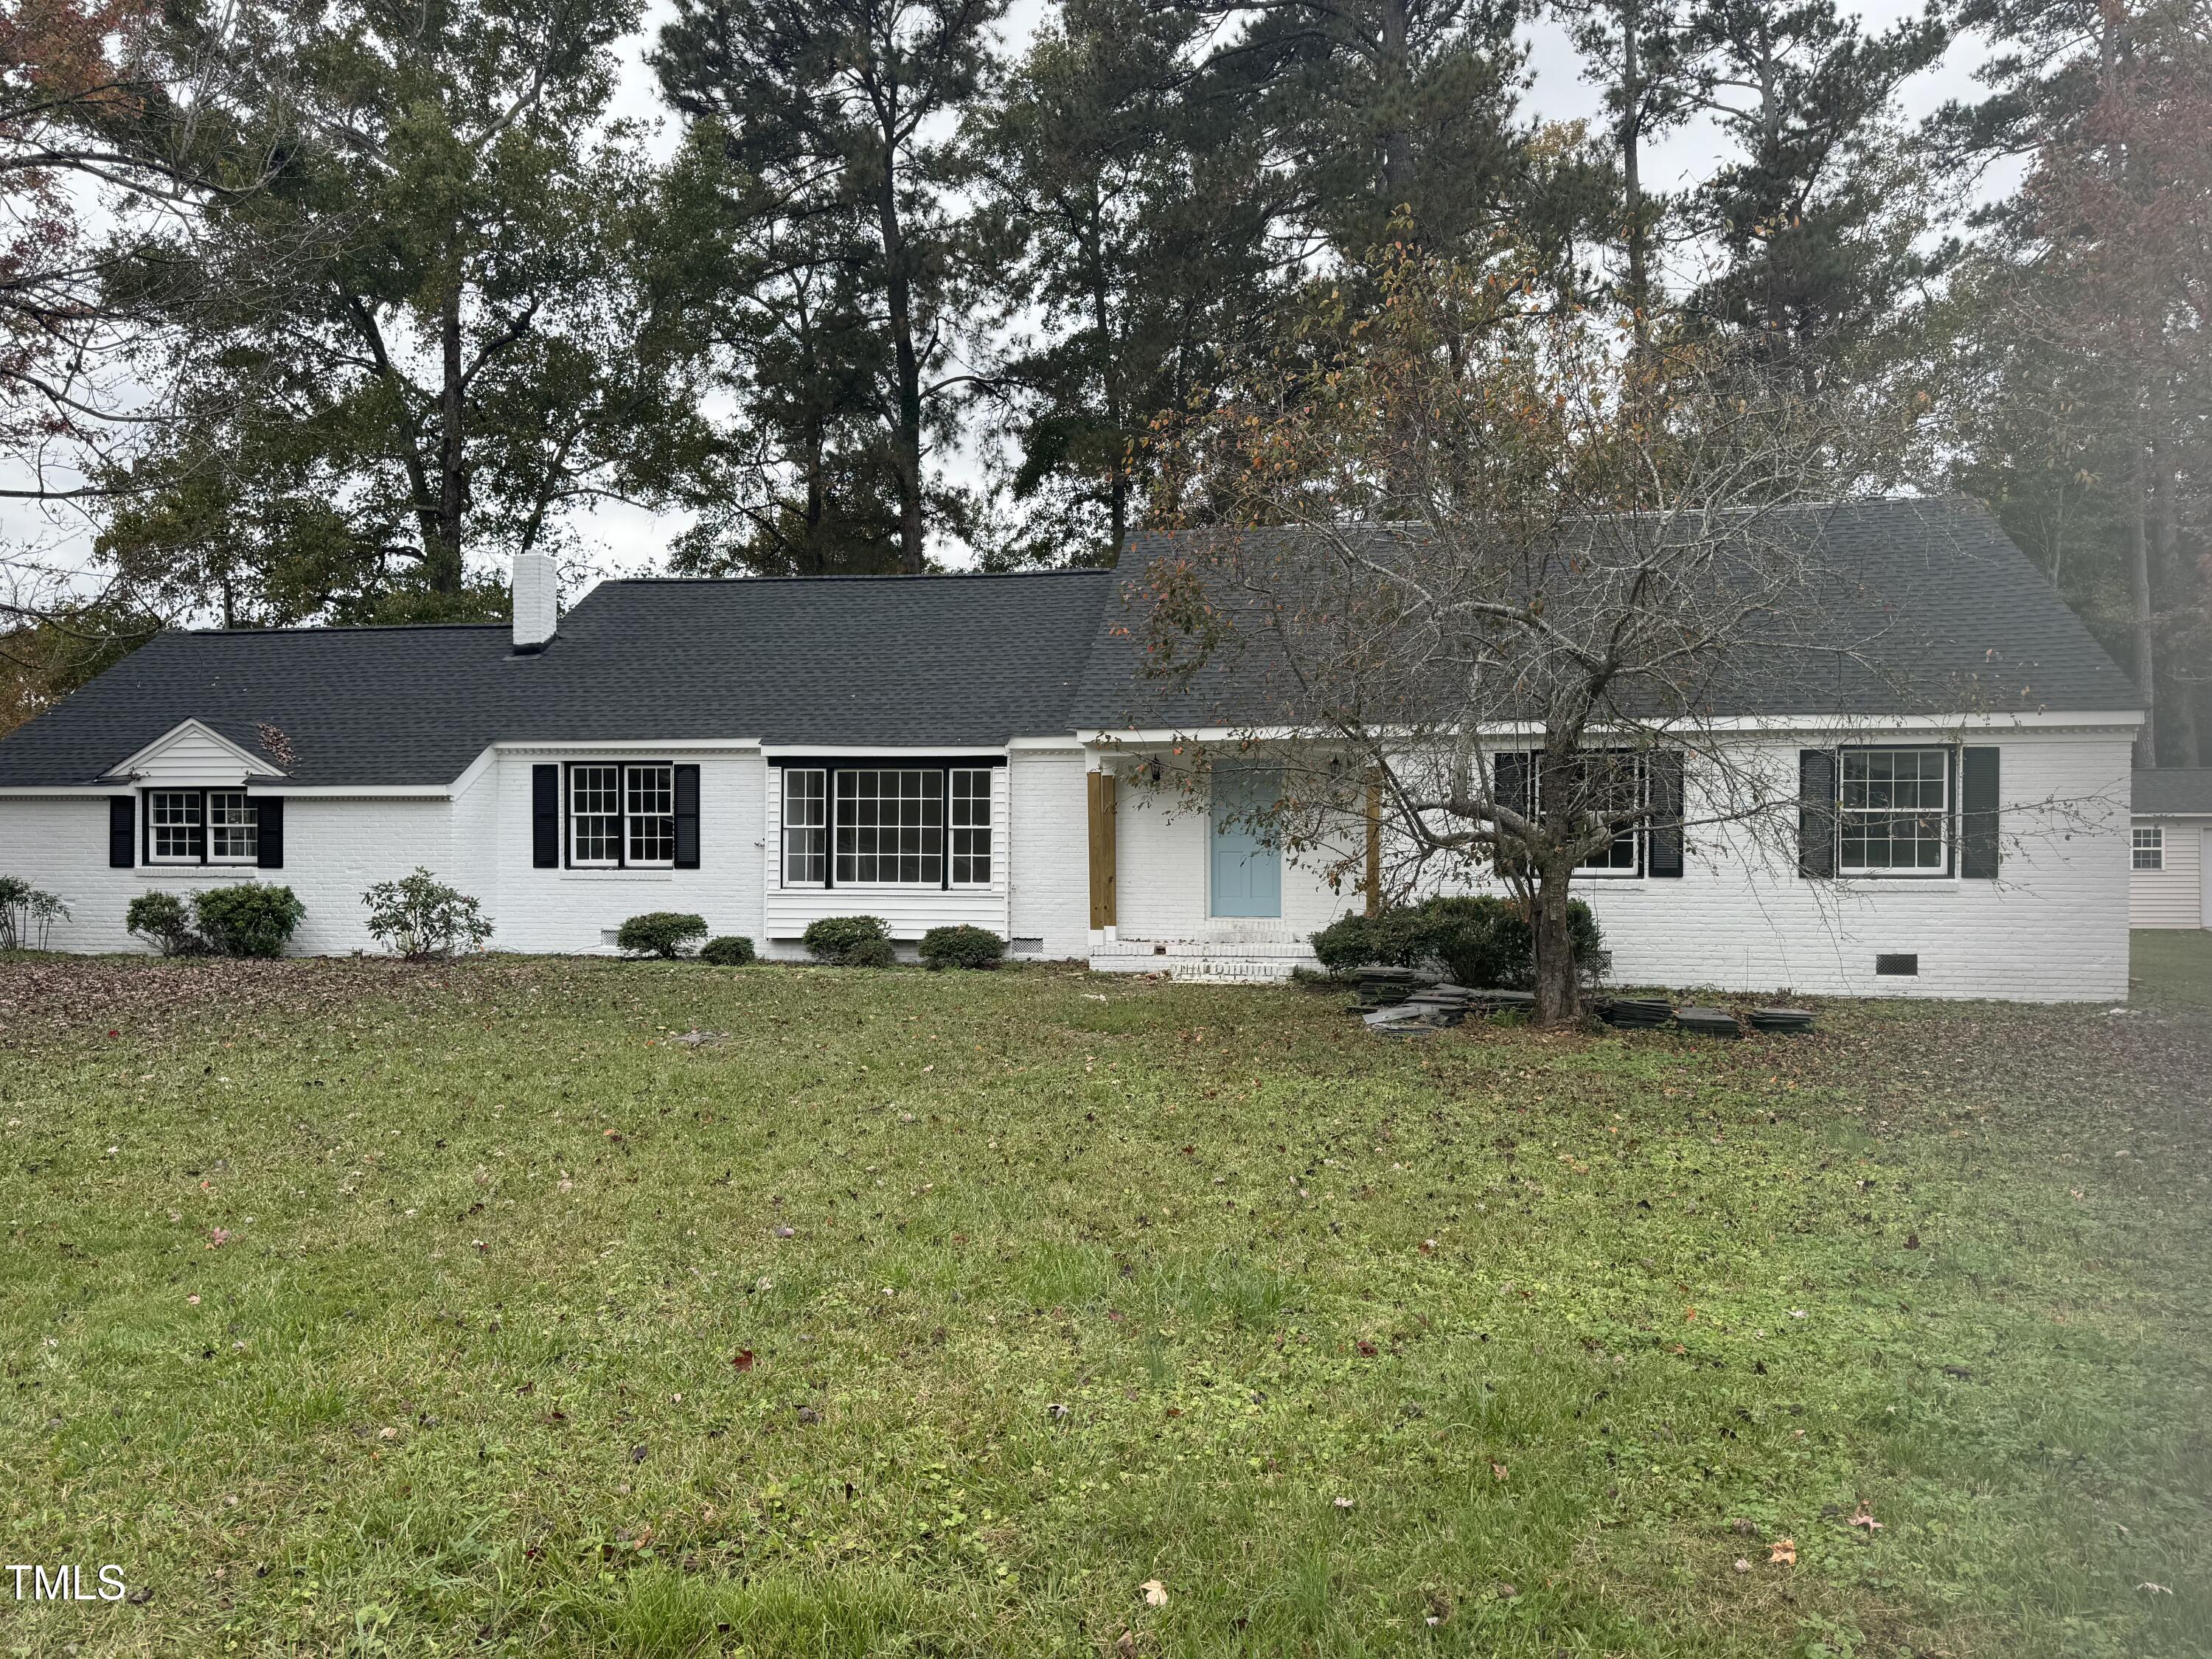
pixel 2174 792
pixel 1950 612
pixel 894 661
pixel 960 661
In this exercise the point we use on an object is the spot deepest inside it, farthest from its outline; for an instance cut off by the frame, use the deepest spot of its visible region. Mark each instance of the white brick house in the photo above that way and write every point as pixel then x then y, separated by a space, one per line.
pixel 974 749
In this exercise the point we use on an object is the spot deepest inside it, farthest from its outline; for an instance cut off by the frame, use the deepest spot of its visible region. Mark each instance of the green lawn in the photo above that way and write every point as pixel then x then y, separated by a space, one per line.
pixel 355 1308
pixel 2172 967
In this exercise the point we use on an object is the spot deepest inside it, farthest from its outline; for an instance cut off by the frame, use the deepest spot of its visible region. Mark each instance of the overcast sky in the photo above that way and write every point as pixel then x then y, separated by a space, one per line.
pixel 624 540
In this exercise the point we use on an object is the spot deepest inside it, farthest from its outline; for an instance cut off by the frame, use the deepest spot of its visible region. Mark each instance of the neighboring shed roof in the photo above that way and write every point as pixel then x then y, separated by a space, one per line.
pixel 2175 792
pixel 1932 594
pixel 894 661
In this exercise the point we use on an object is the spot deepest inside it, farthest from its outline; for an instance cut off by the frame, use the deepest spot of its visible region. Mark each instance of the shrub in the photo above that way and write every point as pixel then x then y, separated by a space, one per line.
pixel 26 915
pixel 1478 941
pixel 834 938
pixel 162 920
pixel 252 919
pixel 730 950
pixel 660 932
pixel 871 953
pixel 962 947
pixel 418 916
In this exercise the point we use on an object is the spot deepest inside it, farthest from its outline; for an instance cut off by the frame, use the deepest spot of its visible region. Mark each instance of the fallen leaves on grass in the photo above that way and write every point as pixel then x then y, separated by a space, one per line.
pixel 1498 1471
pixel 1783 1552
pixel 218 1238
pixel 1156 1592
pixel 743 1359
pixel 1862 1519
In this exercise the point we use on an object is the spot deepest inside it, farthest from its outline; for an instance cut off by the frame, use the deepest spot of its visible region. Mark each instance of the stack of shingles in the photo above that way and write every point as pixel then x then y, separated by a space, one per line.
pixel 1782 1022
pixel 1708 1022
pixel 1637 1013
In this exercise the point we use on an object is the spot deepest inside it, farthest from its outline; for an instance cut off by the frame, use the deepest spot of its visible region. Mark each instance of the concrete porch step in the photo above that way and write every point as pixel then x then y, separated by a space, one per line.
pixel 1218 961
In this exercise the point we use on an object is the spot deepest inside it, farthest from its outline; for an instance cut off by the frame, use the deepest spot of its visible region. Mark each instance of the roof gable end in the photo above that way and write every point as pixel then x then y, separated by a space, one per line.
pixel 192 754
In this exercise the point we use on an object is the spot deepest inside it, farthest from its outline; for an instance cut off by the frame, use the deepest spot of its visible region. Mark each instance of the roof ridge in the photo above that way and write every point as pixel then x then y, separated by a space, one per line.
pixel 852 576
pixel 334 628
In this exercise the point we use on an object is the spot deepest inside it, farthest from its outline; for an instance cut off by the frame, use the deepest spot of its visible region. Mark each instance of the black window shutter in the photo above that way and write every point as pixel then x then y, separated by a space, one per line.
pixel 122 832
pixel 1514 790
pixel 1977 815
pixel 545 817
pixel 1513 776
pixel 269 830
pixel 687 817
pixel 1663 856
pixel 1816 812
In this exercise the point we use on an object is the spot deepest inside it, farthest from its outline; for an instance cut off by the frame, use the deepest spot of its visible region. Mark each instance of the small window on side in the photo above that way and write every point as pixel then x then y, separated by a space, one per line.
pixel 806 826
pixel 2149 847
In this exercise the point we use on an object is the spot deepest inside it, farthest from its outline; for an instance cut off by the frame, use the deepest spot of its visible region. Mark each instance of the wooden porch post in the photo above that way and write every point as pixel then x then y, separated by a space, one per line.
pixel 1102 857
pixel 1374 882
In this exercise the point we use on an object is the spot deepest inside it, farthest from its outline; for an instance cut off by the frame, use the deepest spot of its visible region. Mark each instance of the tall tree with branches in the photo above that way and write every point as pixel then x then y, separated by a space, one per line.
pixel 1538 645
pixel 845 109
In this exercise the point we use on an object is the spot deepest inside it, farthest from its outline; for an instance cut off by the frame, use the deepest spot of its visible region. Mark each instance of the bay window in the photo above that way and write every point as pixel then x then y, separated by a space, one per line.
pixel 873 823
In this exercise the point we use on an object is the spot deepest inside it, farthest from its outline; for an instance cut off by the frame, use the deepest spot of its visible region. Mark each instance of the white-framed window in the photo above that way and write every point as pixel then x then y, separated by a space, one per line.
pixel 649 816
pixel 2150 847
pixel 233 834
pixel 176 831
pixel 622 815
pixel 969 804
pixel 595 815
pixel 806 826
pixel 1895 811
pixel 202 826
pixel 872 822
pixel 889 826
pixel 1610 784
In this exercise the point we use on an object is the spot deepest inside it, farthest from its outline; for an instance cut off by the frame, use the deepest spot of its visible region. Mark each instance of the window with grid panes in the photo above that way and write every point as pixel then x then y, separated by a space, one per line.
pixel 1894 814
pixel 969 809
pixel 889 825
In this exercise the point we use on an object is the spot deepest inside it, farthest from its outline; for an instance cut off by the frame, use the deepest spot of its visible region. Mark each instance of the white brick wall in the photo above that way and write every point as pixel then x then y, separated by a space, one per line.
pixel 569 911
pixel 1049 850
pixel 333 850
pixel 2053 928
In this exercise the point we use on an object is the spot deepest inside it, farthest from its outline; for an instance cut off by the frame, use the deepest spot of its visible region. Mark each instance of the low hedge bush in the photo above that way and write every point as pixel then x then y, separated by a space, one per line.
pixel 419 917
pixel 164 920
pixel 1478 941
pixel 252 919
pixel 661 933
pixel 730 950
pixel 962 947
pixel 871 953
pixel 834 938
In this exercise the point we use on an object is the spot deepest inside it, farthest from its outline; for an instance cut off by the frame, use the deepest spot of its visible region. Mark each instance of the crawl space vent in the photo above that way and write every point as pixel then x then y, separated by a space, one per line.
pixel 1898 966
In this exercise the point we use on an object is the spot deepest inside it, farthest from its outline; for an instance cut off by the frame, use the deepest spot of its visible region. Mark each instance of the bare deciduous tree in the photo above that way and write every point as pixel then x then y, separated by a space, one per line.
pixel 1518 579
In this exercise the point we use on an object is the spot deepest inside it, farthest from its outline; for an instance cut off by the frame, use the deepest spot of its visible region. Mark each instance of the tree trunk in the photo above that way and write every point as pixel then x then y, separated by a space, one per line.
pixel 442 557
pixel 1397 82
pixel 1631 173
pixel 2146 650
pixel 1110 385
pixel 906 437
pixel 2179 582
pixel 1558 1000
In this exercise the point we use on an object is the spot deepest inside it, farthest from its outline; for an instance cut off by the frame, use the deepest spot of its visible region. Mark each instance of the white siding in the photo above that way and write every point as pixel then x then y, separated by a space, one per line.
pixel 1163 843
pixel 1049 850
pixel 333 850
pixel 909 912
pixel 2173 896
pixel 192 758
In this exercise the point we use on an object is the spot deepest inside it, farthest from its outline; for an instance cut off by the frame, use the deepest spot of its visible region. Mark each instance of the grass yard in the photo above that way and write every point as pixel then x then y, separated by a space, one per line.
pixel 355 1307
pixel 2172 967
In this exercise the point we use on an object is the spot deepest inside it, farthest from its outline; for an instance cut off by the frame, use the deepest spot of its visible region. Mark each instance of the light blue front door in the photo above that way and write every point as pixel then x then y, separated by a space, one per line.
pixel 1248 865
